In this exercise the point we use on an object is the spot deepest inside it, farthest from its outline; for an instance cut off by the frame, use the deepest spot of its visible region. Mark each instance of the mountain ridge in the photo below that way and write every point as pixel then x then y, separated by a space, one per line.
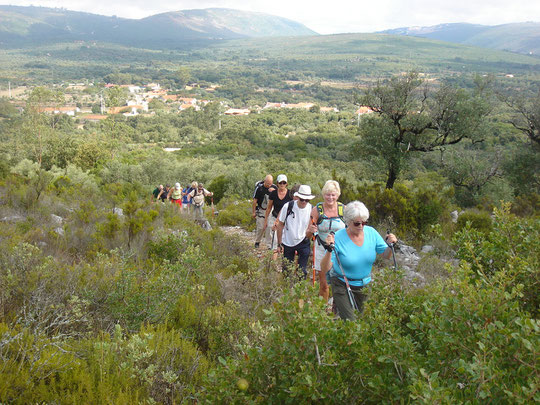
pixel 521 37
pixel 33 25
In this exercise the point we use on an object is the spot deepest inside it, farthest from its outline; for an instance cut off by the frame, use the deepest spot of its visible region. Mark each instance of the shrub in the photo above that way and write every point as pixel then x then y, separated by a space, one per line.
pixel 218 186
pixel 479 220
pixel 511 248
pixel 527 205
pixel 234 213
pixel 154 365
pixel 454 342
pixel 409 211
pixel 216 328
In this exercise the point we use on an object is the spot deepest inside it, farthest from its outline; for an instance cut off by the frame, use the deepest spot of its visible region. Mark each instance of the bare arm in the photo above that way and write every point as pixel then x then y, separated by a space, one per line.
pixel 253 208
pixel 268 211
pixel 279 233
pixel 326 262
pixel 312 227
pixel 390 239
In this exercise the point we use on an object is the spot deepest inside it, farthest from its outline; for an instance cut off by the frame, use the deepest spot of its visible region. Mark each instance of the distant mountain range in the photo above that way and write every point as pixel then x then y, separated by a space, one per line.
pixel 516 37
pixel 20 26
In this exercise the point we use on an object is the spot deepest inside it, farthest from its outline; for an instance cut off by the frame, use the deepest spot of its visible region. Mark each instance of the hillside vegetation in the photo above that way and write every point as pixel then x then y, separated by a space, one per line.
pixel 516 37
pixel 109 296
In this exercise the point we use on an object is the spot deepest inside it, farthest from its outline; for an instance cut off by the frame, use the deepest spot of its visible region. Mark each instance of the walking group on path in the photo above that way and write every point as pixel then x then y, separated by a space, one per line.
pixel 344 246
pixel 190 199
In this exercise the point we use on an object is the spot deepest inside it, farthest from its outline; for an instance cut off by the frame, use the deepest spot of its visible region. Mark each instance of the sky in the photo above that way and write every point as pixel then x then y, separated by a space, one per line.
pixel 326 17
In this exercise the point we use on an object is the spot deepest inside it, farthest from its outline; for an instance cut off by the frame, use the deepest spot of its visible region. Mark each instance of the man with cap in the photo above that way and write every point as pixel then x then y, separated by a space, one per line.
pixel 258 208
pixel 276 200
pixel 294 219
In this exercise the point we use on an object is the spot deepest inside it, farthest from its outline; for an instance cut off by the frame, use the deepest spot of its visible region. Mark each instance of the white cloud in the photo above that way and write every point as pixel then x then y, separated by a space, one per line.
pixel 328 17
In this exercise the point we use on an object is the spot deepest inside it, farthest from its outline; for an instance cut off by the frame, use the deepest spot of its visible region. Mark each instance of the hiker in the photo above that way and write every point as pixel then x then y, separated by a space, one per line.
pixel 357 246
pixel 197 199
pixel 327 216
pixel 276 200
pixel 294 220
pixel 159 193
pixel 186 198
pixel 258 208
pixel 175 196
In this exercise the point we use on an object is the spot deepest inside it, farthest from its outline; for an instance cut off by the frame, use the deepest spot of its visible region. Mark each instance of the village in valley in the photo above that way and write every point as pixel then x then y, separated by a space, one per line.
pixel 88 102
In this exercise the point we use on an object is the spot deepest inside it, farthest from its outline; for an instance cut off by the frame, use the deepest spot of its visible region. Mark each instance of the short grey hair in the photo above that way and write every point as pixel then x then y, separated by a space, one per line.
pixel 331 186
pixel 353 210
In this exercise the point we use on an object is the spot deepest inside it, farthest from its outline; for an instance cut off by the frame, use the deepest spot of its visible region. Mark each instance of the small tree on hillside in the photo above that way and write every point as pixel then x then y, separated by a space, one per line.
pixel 527 118
pixel 411 118
pixel 37 127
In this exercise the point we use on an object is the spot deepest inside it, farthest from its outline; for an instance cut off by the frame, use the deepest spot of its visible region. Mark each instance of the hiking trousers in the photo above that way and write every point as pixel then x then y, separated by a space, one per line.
pixel 303 249
pixel 341 299
pixel 262 234
pixel 198 211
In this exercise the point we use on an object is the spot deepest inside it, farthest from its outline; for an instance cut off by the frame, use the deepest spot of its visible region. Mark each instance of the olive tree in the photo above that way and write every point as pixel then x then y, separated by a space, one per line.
pixel 527 118
pixel 410 117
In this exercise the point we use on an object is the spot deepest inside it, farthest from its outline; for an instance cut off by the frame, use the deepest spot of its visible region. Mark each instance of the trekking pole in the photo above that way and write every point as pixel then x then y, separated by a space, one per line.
pixel 212 204
pixel 393 251
pixel 314 239
pixel 349 291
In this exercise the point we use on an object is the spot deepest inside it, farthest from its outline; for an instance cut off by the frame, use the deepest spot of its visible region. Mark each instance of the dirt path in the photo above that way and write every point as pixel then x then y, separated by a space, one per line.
pixel 247 236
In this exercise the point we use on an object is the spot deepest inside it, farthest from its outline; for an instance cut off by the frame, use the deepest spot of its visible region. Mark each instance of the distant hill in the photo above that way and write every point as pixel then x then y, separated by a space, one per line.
pixel 516 37
pixel 21 26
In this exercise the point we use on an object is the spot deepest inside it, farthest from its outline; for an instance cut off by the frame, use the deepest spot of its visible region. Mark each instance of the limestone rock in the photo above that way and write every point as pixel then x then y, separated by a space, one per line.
pixel 56 219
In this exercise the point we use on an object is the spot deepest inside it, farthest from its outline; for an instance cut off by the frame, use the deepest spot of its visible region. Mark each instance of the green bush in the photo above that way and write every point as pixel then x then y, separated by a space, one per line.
pixel 236 213
pixel 168 248
pixel 527 205
pixel 216 328
pixel 479 220
pixel 154 365
pixel 511 248
pixel 454 342
pixel 410 211
pixel 218 186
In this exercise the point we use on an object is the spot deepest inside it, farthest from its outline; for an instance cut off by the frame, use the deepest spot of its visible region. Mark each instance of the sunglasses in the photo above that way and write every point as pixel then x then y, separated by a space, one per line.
pixel 359 223
pixel 302 200
pixel 282 182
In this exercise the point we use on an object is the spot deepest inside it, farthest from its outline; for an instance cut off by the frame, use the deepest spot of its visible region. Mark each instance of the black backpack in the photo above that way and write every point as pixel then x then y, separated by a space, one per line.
pixel 290 206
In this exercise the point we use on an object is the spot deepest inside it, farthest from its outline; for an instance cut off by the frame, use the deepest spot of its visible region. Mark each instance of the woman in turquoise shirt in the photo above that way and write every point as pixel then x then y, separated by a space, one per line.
pixel 357 247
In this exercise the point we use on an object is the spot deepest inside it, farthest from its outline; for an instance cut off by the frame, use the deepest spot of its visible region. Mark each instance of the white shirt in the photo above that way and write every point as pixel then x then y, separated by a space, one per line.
pixel 296 225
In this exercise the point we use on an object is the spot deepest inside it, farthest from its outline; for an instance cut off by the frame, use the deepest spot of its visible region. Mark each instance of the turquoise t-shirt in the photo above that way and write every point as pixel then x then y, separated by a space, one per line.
pixel 357 261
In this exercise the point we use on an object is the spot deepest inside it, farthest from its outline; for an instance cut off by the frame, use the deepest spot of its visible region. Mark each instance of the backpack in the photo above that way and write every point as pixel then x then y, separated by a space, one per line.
pixel 290 206
pixel 257 185
pixel 198 198
pixel 322 217
pixel 264 203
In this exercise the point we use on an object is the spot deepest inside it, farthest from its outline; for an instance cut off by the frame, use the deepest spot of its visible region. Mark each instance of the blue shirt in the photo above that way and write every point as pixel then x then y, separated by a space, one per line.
pixel 185 197
pixel 357 261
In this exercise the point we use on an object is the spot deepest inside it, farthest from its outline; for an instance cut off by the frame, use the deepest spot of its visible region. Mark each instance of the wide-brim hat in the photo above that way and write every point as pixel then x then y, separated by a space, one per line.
pixel 304 192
